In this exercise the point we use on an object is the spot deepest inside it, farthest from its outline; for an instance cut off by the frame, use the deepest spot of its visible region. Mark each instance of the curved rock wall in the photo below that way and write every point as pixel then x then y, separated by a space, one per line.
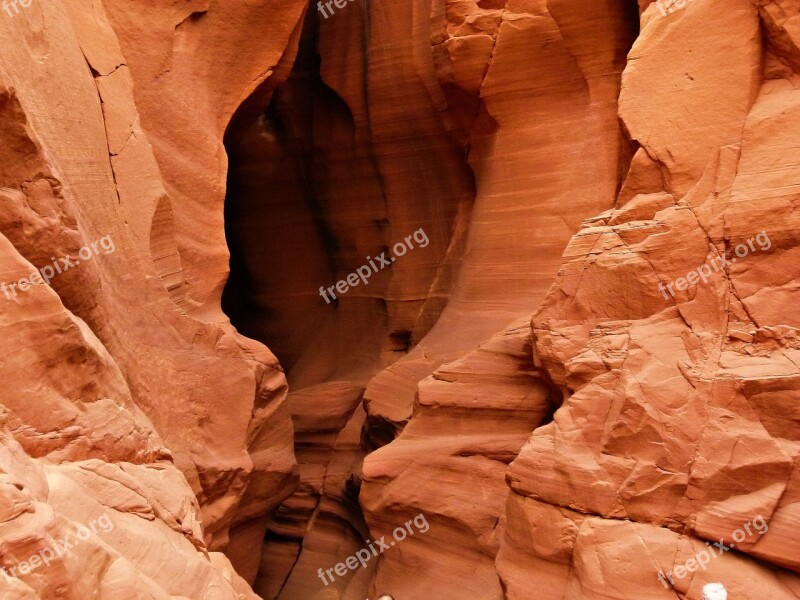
pixel 117 402
pixel 676 428
pixel 623 170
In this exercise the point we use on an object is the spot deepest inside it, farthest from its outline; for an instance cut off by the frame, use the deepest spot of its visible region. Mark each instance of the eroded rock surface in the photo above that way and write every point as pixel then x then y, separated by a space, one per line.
pixel 623 171
pixel 123 397
pixel 668 431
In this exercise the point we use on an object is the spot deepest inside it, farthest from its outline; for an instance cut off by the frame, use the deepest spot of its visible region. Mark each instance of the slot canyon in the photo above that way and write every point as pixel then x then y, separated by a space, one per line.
pixel 399 300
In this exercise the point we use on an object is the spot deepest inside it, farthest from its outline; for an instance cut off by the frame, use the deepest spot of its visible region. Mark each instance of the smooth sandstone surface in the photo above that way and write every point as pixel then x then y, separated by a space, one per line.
pixel 115 399
pixel 546 379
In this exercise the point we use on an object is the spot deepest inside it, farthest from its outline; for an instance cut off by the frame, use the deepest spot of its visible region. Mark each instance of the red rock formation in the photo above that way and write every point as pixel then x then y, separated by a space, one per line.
pixel 671 399
pixel 108 354
pixel 472 419
pixel 579 161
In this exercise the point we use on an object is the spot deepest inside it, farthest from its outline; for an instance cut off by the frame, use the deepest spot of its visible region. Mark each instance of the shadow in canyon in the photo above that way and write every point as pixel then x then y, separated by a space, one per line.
pixel 313 191
pixel 305 207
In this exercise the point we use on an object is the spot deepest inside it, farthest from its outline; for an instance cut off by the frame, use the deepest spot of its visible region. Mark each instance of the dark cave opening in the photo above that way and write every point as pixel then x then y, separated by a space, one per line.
pixel 306 205
pixel 309 200
pixel 282 246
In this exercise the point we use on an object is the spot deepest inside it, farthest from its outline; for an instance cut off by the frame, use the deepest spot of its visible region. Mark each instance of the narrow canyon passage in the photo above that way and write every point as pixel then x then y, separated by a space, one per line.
pixel 510 138
pixel 452 299
pixel 306 207
pixel 339 165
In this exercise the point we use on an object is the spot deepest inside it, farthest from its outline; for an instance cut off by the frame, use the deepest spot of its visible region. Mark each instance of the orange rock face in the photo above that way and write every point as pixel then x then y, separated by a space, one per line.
pixel 125 393
pixel 474 299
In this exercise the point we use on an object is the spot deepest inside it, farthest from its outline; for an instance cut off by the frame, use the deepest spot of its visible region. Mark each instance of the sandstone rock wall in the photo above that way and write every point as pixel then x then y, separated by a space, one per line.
pixel 122 395
pixel 579 161
pixel 670 430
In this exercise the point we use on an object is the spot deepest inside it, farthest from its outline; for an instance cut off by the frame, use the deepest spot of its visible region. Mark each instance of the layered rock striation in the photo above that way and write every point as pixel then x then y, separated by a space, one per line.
pixel 126 394
pixel 582 374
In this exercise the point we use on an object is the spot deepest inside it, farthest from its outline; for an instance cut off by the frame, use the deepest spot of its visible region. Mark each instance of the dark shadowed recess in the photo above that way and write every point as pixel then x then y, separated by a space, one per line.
pixel 305 206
